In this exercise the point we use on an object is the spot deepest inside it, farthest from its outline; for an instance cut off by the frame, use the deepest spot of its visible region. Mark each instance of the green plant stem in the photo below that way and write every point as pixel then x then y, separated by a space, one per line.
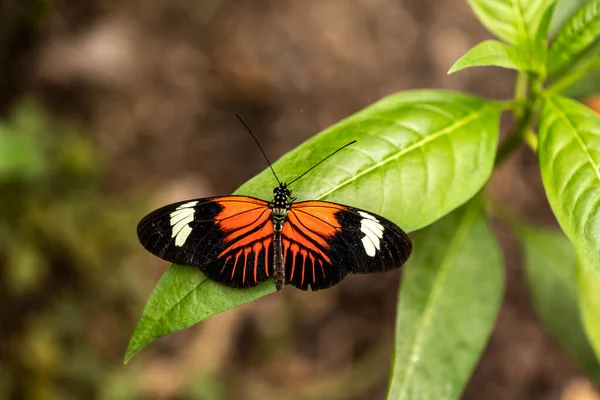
pixel 529 89
pixel 520 90
pixel 515 136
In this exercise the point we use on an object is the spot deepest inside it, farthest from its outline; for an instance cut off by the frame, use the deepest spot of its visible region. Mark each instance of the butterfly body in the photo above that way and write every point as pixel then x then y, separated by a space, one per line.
pixel 279 210
pixel 242 241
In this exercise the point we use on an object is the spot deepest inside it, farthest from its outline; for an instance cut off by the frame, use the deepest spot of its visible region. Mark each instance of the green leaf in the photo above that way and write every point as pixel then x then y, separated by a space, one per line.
pixel 540 40
pixel 589 303
pixel 518 22
pixel 589 85
pixel 182 297
pixel 411 147
pixel 569 156
pixel 551 266
pixel 450 295
pixel 581 77
pixel 575 37
pixel 492 53
pixel 564 10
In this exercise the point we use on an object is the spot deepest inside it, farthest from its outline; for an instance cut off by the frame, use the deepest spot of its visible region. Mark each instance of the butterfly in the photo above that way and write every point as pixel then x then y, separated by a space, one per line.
pixel 241 241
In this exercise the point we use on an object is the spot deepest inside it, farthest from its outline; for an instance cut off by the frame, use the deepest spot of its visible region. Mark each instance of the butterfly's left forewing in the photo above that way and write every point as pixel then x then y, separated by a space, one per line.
pixel 228 238
pixel 324 241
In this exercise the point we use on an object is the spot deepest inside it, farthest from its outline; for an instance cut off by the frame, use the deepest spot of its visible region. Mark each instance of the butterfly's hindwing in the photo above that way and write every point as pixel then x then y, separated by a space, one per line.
pixel 228 238
pixel 325 241
pixel 307 254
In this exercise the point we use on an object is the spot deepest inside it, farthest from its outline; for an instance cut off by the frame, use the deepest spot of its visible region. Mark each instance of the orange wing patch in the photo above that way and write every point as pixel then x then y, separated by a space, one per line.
pixel 306 239
pixel 239 218
pixel 266 244
pixel 314 221
pixel 249 233
pixel 245 237
pixel 293 232
pixel 325 214
pixel 237 213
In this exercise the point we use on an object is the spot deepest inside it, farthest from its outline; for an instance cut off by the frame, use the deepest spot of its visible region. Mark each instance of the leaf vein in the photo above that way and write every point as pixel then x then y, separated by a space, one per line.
pixel 579 139
pixel 425 140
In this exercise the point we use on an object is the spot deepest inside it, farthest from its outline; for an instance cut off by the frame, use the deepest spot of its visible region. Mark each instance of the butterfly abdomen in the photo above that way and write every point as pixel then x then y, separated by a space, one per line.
pixel 279 215
pixel 278 267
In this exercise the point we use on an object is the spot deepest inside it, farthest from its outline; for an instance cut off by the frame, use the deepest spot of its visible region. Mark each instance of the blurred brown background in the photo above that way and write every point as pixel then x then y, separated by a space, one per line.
pixel 110 109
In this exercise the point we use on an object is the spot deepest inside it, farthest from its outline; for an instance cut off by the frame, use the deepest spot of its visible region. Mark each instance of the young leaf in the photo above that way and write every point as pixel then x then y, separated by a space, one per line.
pixel 538 46
pixel 411 147
pixel 551 267
pixel 493 53
pixel 589 303
pixel 569 156
pixel 578 33
pixel 564 10
pixel 518 22
pixel 450 294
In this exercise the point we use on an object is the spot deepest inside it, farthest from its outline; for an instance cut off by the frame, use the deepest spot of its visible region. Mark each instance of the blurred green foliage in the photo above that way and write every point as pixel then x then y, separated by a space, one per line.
pixel 66 283
pixel 590 83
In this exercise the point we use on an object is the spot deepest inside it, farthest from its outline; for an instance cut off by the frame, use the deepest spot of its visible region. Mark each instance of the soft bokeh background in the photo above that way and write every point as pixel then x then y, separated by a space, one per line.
pixel 110 109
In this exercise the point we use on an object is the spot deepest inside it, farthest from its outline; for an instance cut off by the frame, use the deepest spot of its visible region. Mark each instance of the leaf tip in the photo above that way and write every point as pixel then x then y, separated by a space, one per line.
pixel 136 344
pixel 132 350
pixel 454 68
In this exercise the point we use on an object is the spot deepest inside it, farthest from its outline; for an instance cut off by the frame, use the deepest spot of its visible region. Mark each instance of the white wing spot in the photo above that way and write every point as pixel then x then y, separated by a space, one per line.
pixel 373 231
pixel 369 246
pixel 180 220
pixel 182 235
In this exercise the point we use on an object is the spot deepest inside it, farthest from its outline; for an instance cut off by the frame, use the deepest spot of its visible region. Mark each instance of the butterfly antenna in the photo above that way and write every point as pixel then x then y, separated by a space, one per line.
pixel 317 164
pixel 259 146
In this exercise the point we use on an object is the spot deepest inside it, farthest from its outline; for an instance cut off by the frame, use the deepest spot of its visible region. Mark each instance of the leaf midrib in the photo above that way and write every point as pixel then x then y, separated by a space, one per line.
pixel 520 20
pixel 417 145
pixel 453 249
